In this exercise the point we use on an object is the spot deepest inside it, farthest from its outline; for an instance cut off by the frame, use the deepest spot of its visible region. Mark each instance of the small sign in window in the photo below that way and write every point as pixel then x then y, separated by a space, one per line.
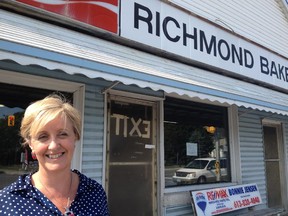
pixel 191 149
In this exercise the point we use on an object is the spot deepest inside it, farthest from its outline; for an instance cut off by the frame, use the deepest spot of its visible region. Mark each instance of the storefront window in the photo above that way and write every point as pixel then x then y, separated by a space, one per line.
pixel 196 143
pixel 16 160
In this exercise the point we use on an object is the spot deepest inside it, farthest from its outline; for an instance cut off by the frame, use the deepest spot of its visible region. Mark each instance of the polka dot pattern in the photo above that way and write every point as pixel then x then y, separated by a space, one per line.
pixel 21 198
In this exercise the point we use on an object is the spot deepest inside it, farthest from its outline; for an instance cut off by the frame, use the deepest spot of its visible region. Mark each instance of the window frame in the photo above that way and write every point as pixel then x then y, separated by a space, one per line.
pixel 77 89
pixel 234 151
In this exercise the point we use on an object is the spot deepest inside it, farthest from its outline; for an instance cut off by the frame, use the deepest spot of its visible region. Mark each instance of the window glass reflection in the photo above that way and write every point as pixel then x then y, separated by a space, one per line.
pixel 196 143
pixel 16 160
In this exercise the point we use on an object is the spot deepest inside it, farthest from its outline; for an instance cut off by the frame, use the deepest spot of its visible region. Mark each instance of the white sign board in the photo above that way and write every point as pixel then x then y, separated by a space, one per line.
pixel 160 25
pixel 221 200
pixel 191 149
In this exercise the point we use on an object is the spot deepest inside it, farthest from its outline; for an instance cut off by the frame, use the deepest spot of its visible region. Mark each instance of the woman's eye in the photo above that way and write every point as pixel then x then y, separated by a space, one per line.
pixel 63 134
pixel 42 137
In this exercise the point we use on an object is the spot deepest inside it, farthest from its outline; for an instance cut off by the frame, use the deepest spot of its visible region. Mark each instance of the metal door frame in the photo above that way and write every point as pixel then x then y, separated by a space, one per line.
pixel 282 161
pixel 141 100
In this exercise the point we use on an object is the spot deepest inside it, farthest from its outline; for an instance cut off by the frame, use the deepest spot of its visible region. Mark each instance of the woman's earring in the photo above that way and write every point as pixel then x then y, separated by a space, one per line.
pixel 33 155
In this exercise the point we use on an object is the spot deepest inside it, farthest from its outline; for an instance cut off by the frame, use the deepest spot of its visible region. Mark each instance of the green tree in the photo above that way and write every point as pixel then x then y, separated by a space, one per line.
pixel 10 143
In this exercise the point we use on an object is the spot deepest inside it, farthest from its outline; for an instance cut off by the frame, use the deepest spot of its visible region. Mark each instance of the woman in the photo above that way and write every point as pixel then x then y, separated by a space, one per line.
pixel 51 128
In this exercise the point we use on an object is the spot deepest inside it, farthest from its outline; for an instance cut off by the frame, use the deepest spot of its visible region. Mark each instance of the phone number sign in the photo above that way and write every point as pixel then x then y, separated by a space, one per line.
pixel 221 200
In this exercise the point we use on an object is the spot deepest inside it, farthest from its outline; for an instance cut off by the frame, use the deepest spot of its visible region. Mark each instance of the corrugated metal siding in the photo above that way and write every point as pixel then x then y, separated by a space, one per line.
pixel 285 138
pixel 93 133
pixel 261 21
pixel 179 211
pixel 252 149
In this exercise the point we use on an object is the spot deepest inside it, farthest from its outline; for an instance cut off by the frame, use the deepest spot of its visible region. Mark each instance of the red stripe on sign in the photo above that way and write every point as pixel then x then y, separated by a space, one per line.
pixel 102 14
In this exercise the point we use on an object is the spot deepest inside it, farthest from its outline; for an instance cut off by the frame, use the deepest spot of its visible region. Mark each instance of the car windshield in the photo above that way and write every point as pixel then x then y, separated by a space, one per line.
pixel 197 164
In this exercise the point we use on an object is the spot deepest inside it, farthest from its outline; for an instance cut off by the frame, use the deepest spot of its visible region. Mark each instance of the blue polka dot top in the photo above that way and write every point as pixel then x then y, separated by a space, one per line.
pixel 21 198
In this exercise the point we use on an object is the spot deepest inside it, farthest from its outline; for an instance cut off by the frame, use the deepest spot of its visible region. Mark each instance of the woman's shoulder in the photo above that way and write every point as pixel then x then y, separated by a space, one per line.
pixel 21 184
pixel 87 183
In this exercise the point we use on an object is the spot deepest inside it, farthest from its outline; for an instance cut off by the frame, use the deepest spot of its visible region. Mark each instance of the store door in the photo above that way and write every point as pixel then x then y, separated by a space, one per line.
pixel 131 157
pixel 273 166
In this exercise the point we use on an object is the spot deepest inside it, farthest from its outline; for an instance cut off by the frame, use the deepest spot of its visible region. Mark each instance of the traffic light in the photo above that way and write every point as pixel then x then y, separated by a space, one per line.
pixel 11 120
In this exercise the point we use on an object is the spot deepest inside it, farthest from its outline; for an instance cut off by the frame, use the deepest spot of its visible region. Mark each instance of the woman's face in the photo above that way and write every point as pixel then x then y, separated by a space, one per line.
pixel 54 145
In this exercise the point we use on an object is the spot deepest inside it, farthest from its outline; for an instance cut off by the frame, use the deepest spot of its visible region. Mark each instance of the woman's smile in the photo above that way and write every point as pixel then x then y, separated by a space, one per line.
pixel 55 156
pixel 54 144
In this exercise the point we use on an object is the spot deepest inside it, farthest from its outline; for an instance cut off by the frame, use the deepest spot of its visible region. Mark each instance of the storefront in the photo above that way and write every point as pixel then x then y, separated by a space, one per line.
pixel 167 108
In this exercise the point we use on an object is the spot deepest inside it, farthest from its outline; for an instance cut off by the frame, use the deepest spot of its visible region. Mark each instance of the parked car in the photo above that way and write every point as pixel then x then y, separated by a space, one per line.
pixel 200 170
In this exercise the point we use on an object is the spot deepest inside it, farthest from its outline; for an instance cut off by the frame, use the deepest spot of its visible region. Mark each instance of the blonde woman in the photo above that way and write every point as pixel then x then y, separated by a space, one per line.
pixel 51 128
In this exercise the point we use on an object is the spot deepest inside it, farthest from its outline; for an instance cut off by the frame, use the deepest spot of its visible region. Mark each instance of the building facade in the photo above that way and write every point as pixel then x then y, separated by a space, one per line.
pixel 176 97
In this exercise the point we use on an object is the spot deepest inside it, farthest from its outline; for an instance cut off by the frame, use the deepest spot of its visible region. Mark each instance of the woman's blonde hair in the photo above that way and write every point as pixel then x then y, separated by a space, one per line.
pixel 43 111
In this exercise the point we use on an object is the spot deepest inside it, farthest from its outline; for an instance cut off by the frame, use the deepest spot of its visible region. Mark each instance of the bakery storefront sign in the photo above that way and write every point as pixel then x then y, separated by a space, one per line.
pixel 221 200
pixel 160 25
